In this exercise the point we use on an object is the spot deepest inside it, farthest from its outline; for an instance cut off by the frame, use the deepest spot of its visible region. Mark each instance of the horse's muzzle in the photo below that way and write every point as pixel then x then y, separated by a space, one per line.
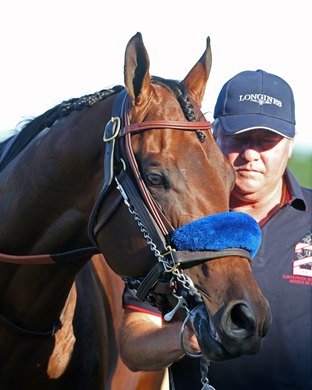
pixel 229 334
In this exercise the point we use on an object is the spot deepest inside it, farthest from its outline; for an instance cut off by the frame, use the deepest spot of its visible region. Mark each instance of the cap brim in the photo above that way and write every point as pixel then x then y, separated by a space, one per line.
pixel 235 124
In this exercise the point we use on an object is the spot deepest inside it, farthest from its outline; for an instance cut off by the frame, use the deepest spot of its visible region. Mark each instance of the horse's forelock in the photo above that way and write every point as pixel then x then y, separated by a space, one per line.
pixel 179 91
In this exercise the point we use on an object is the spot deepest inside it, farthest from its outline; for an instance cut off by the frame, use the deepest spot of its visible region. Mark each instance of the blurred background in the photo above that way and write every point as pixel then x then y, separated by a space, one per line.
pixel 301 166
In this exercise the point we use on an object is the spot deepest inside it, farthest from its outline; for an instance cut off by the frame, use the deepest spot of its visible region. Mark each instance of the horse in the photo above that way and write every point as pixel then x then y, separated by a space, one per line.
pixel 91 192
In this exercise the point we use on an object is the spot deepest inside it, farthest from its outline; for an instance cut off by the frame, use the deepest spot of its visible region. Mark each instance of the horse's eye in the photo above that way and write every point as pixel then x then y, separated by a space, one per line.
pixel 155 179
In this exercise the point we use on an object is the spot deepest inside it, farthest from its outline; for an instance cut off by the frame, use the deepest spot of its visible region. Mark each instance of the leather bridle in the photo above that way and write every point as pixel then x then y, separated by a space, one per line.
pixel 153 224
pixel 119 129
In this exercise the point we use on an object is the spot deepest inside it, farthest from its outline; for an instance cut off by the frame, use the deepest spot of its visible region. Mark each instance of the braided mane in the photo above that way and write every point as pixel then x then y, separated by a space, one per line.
pixel 48 118
pixel 179 91
pixel 32 128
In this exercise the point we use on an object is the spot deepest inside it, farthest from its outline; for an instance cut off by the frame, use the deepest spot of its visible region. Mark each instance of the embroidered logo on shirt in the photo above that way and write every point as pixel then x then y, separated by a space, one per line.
pixel 302 265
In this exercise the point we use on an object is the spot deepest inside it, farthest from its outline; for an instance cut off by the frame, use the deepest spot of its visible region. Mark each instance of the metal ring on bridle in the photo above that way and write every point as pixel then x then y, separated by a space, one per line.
pixel 190 354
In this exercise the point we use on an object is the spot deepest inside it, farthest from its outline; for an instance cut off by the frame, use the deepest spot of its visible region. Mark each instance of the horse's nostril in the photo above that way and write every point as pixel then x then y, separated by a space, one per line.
pixel 238 321
pixel 242 317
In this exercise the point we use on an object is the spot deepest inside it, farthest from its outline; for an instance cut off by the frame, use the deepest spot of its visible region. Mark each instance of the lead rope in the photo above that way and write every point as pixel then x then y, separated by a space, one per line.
pixel 204 367
pixel 204 362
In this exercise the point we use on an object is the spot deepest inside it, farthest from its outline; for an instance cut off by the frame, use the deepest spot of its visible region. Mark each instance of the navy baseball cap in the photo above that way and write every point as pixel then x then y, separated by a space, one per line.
pixel 256 100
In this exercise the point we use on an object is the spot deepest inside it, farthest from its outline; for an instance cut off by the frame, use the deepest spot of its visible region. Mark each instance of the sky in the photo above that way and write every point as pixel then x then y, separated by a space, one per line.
pixel 56 50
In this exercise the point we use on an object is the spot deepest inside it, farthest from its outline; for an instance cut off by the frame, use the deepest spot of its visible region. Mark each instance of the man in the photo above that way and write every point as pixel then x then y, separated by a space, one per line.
pixel 254 127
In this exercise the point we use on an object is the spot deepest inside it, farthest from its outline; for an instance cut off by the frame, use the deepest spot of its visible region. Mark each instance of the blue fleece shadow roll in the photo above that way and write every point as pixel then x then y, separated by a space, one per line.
pixel 219 231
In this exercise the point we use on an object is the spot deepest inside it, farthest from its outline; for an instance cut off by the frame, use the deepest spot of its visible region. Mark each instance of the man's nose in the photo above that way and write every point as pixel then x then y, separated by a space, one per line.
pixel 250 152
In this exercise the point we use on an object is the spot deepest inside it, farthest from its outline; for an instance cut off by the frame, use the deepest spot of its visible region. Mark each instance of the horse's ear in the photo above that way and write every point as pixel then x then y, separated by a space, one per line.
pixel 196 79
pixel 136 70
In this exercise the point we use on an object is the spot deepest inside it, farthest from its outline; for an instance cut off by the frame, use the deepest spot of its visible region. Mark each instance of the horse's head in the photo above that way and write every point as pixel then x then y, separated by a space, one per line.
pixel 184 170
pixel 169 172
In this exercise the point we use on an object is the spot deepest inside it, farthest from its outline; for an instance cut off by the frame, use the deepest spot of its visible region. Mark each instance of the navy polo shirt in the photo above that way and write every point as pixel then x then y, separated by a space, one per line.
pixel 283 270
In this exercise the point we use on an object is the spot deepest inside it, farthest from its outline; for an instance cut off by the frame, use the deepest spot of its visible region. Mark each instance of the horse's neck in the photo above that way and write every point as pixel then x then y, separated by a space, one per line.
pixel 34 297
pixel 47 193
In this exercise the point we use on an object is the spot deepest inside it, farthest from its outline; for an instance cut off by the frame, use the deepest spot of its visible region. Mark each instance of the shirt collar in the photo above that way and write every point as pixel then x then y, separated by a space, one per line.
pixel 295 191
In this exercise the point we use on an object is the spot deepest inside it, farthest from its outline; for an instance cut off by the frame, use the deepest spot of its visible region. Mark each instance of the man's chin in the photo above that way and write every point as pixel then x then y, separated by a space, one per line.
pixel 245 187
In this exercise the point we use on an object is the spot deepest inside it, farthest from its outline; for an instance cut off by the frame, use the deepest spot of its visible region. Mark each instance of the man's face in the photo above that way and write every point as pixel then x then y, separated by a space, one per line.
pixel 259 158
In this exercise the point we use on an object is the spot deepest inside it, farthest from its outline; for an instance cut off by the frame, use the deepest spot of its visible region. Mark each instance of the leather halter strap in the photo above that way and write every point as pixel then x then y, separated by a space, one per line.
pixel 187 259
pixel 134 128
pixel 75 255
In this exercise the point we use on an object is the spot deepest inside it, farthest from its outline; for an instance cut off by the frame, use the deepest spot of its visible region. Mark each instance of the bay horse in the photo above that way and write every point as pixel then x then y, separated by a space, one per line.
pixel 67 198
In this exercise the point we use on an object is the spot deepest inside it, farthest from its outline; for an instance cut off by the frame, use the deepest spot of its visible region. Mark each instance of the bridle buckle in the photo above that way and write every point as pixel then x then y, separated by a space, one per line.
pixel 170 265
pixel 112 129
